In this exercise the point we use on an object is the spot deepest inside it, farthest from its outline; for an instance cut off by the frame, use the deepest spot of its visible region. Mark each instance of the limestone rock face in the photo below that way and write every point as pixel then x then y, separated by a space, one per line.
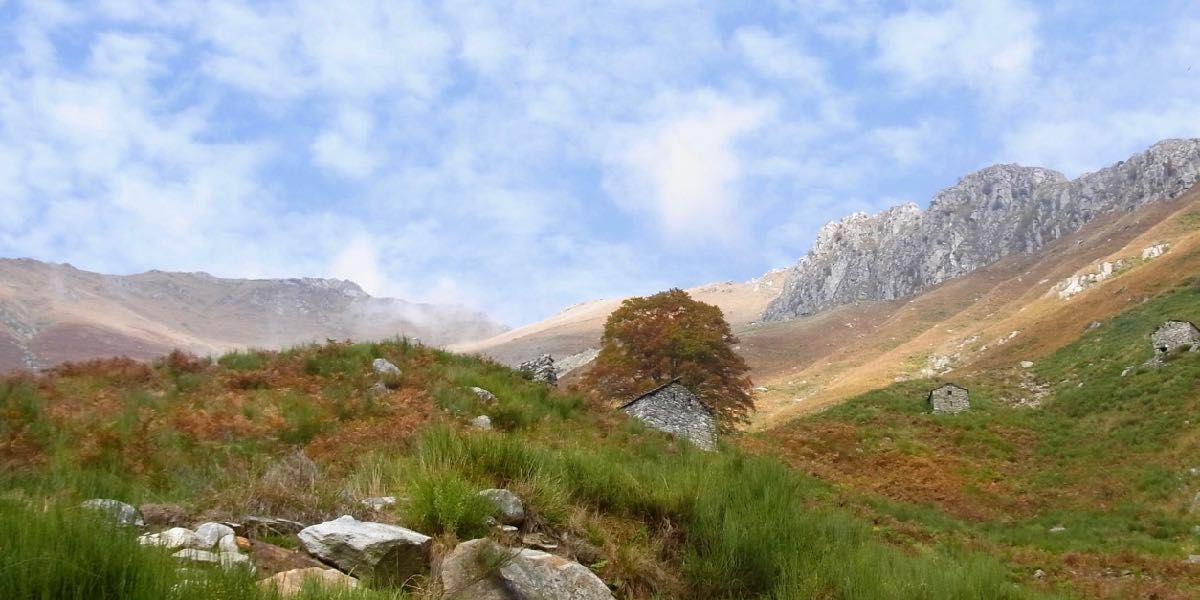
pixel 484 570
pixel 388 553
pixel 987 215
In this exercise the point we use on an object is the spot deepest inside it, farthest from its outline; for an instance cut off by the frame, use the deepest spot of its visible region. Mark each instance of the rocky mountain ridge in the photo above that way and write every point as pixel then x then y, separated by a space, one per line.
pixel 985 216
pixel 50 313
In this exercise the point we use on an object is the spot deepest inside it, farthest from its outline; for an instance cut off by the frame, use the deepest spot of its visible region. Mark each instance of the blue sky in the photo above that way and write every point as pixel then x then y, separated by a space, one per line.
pixel 519 157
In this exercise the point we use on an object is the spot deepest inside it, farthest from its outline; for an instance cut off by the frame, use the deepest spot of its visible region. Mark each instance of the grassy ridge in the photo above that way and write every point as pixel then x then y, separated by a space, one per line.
pixel 1109 457
pixel 667 520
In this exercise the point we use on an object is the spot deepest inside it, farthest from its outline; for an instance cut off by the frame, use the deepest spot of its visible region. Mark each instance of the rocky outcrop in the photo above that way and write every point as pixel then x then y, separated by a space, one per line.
pixel 383 366
pixel 987 215
pixel 386 553
pixel 484 570
pixel 540 369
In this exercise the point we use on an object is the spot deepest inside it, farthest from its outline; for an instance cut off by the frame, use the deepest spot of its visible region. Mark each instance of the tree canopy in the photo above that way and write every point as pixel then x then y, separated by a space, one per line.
pixel 651 340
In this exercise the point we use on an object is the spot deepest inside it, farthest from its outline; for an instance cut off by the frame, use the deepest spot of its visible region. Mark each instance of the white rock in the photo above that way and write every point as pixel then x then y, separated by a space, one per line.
pixel 1026 364
pixel 387 553
pixel 384 367
pixel 484 396
pixel 516 574
pixel 228 544
pixel 481 422
pixel 227 560
pixel 172 539
pixel 211 533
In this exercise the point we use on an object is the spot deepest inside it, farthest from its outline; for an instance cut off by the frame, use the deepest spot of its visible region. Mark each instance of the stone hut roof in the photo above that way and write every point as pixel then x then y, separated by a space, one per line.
pixel 1174 322
pixel 950 385
pixel 662 387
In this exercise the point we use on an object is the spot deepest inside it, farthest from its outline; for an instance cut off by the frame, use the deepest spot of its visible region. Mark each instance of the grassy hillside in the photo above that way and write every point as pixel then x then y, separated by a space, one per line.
pixel 1111 456
pixel 297 435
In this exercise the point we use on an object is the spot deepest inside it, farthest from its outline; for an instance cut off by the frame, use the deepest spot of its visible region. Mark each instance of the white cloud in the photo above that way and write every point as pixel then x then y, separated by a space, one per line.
pixel 684 168
pixel 346 146
pixel 986 45
pixel 779 58
pixel 910 145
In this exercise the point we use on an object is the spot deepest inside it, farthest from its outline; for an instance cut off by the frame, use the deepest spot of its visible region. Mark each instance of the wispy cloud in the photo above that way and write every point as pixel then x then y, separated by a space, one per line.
pixel 523 157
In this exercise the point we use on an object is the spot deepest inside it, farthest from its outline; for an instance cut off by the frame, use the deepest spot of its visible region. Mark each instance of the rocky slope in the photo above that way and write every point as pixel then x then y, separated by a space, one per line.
pixel 993 213
pixel 51 313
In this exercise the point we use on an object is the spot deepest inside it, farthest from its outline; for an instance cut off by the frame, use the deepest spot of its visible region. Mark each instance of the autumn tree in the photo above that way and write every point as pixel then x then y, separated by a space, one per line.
pixel 653 340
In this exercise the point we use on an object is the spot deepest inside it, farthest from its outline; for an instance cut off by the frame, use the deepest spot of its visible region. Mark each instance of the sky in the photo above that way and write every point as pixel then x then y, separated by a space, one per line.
pixel 519 157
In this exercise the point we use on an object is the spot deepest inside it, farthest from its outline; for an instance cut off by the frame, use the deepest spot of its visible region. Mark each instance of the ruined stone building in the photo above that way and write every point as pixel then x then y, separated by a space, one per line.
pixel 1175 334
pixel 949 398
pixel 674 409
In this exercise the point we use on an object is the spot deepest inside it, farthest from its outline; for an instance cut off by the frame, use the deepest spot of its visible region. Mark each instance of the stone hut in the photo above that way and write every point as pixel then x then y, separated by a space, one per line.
pixel 949 398
pixel 674 409
pixel 1175 334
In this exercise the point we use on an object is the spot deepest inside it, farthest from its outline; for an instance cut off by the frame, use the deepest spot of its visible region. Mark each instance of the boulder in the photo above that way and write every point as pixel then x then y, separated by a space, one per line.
pixel 384 367
pixel 173 539
pixel 484 396
pixel 484 570
pixel 378 390
pixel 386 553
pixel 122 514
pixel 509 507
pixel 290 583
pixel 482 422
pixel 211 533
pixel 164 515
pixel 228 543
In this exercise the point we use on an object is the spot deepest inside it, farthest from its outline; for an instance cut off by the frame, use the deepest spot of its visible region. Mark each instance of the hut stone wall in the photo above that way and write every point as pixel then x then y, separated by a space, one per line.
pixel 674 409
pixel 1175 334
pixel 949 399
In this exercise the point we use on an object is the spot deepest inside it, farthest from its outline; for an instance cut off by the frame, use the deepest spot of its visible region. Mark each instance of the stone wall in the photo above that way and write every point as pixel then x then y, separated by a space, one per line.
pixel 676 410
pixel 1175 334
pixel 949 399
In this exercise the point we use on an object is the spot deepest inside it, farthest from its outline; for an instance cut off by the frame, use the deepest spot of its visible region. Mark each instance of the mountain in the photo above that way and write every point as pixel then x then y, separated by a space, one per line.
pixel 574 332
pixel 51 313
pixel 996 212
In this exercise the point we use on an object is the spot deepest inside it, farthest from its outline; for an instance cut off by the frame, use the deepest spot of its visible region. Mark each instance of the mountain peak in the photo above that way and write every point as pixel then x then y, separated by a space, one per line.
pixel 986 215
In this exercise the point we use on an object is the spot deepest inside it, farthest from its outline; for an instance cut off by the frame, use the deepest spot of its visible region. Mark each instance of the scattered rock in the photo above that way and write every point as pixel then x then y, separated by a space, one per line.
pixel 760 389
pixel 1057 529
pixel 1126 372
pixel 122 514
pixel 164 515
pixel 484 570
pixel 1026 364
pixel 1093 325
pixel 484 396
pixel 1155 251
pixel 290 583
pixel 387 553
pixel 1193 559
pixel 482 422
pixel 1039 574
pixel 540 369
pixel 383 366
pixel 173 539
pixel 508 505
pixel 211 533
pixel 378 390
pixel 378 503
